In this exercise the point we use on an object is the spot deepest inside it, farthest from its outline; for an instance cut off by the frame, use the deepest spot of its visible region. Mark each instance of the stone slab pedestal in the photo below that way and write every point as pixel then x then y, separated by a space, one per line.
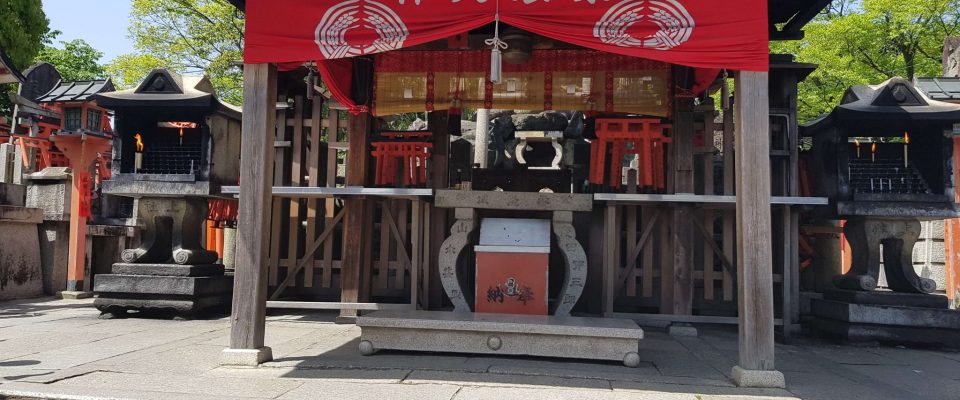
pixel 245 357
pixel 545 336
pixel 682 330
pixel 74 295
pixel 187 290
pixel 888 317
pixel 757 378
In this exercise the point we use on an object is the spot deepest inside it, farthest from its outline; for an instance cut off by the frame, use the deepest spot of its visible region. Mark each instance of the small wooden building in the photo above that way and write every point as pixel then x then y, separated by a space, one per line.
pixel 712 238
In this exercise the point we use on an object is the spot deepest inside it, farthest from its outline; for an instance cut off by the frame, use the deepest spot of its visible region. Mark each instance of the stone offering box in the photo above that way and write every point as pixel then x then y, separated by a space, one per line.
pixel 512 266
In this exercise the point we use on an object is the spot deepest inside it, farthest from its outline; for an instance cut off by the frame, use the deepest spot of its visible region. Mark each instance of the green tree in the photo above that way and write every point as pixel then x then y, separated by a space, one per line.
pixel 76 60
pixel 867 42
pixel 22 27
pixel 128 70
pixel 189 36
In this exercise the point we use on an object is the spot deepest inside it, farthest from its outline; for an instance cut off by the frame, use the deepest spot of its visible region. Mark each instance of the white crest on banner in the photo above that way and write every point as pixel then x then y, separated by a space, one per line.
pixel 675 23
pixel 331 32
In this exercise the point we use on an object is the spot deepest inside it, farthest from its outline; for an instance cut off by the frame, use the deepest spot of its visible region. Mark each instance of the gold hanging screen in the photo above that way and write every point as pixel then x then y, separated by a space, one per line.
pixel 417 81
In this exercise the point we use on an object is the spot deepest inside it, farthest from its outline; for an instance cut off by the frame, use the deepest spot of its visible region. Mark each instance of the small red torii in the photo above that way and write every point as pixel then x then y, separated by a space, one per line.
pixel 616 135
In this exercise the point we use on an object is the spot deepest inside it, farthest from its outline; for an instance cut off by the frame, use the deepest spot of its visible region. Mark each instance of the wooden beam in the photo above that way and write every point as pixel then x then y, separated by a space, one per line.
pixel 635 250
pixel 716 250
pixel 754 251
pixel 323 305
pixel 308 257
pixel 250 282
pixel 354 219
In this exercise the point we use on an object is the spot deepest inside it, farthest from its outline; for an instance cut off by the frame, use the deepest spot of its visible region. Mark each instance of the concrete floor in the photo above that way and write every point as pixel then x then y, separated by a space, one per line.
pixel 60 349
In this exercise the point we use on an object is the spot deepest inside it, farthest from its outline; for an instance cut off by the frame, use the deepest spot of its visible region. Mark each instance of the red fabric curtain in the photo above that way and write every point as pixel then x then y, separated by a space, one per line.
pixel 696 33
pixel 707 34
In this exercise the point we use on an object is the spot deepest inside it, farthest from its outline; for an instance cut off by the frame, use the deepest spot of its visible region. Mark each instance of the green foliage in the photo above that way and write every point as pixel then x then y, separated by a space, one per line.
pixel 188 36
pixel 867 42
pixel 128 70
pixel 76 60
pixel 22 26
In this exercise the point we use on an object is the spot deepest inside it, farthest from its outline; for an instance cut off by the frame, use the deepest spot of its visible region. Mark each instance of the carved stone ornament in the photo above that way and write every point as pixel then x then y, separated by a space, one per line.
pixel 897 237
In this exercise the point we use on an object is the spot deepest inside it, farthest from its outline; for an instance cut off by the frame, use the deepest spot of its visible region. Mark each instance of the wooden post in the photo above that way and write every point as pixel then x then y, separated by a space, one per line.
pixel 729 181
pixel 256 180
pixel 81 150
pixel 682 218
pixel 437 122
pixel 354 218
pixel 754 274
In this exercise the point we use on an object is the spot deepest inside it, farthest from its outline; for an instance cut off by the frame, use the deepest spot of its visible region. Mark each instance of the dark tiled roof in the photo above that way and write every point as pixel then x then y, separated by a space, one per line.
pixel 9 71
pixel 76 91
pixel 943 89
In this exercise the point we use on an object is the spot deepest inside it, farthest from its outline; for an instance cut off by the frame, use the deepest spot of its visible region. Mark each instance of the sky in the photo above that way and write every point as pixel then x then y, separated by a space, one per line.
pixel 101 23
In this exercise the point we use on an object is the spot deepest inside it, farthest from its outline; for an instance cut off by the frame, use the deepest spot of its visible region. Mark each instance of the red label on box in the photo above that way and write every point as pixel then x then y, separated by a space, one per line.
pixel 512 283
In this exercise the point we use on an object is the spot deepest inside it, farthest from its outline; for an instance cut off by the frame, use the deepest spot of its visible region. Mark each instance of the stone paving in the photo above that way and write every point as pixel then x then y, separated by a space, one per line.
pixel 60 349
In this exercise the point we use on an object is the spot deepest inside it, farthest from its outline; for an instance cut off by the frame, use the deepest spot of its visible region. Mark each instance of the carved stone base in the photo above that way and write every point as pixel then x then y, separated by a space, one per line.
pixel 171 232
pixel 897 237
pixel 887 317
pixel 184 290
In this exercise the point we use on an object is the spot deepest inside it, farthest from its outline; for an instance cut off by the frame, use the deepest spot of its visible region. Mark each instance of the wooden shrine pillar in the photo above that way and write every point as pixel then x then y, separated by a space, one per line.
pixel 754 251
pixel 248 318
pixel 438 123
pixel 679 294
pixel 353 283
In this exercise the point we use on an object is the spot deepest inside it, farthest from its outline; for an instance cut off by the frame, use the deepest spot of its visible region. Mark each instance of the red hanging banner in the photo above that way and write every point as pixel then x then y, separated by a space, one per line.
pixel 696 33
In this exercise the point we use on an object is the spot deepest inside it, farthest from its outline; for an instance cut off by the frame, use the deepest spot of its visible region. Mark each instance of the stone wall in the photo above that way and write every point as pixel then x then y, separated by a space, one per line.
pixel 49 190
pixel 20 272
pixel 11 165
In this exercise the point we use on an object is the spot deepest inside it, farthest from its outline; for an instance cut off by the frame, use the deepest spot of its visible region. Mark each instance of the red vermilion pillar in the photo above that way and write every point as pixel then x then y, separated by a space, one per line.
pixel 81 150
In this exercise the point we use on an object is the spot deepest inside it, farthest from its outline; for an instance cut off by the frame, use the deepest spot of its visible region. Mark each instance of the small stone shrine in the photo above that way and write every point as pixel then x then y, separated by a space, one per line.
pixel 176 145
pixel 884 160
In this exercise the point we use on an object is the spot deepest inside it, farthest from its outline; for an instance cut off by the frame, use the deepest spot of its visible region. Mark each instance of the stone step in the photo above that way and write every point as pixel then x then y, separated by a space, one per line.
pixel 476 333
pixel 919 317
pixel 888 298
pixel 854 332
pixel 185 305
pixel 167 269
pixel 167 285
